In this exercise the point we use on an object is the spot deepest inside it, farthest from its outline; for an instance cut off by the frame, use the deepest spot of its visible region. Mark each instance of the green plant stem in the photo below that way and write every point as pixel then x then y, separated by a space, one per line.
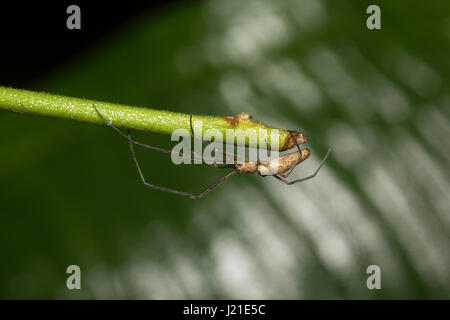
pixel 124 116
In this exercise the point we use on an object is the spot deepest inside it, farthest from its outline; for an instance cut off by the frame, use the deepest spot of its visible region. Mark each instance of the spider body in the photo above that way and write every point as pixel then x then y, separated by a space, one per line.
pixel 275 166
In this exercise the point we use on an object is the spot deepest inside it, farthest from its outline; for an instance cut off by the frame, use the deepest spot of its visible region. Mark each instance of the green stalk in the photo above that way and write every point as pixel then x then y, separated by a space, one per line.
pixel 129 117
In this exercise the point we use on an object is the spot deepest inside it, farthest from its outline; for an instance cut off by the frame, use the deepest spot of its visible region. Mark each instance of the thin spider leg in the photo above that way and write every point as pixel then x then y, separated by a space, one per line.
pixel 296 143
pixel 182 193
pixel 140 144
pixel 215 184
pixel 285 175
pixel 109 123
pixel 193 135
pixel 307 177
pixel 224 166
pixel 289 171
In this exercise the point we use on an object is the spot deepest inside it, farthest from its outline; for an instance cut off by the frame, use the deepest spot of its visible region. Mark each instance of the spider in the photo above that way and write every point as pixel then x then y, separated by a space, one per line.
pixel 279 168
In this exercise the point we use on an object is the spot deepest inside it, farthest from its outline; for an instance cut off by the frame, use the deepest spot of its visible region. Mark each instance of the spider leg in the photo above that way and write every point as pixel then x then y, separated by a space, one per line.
pixel 109 123
pixel 285 175
pixel 307 177
pixel 192 156
pixel 182 193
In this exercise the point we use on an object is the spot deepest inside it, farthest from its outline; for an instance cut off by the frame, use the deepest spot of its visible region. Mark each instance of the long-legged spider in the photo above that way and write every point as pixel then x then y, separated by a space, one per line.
pixel 280 168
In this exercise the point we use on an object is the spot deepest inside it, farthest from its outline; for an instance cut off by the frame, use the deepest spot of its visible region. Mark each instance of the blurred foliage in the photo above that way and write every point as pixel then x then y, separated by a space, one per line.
pixel 70 193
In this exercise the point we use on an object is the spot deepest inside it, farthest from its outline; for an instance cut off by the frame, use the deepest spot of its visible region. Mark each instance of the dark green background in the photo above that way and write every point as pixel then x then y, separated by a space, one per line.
pixel 70 193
